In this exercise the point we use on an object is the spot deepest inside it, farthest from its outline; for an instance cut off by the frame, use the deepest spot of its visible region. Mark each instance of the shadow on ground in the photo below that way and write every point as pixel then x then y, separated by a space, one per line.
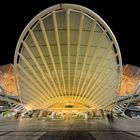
pixel 67 135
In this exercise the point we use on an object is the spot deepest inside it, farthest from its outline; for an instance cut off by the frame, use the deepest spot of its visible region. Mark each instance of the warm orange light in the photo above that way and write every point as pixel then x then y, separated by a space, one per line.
pixel 131 77
pixel 7 79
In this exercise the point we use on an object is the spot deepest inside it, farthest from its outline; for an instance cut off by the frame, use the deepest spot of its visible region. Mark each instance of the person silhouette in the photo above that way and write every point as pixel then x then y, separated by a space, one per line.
pixel 111 117
pixel 108 117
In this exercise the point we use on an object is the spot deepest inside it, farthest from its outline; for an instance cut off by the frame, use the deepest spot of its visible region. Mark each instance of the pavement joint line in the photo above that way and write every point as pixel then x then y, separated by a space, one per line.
pixel 127 132
pixel 74 130
pixel 114 131
pixel 5 133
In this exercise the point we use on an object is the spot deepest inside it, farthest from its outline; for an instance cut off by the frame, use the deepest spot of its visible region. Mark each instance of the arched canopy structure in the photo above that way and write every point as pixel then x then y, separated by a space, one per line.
pixel 67 56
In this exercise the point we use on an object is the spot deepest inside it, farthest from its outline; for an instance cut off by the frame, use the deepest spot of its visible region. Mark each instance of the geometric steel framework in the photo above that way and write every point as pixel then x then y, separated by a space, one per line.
pixel 67 56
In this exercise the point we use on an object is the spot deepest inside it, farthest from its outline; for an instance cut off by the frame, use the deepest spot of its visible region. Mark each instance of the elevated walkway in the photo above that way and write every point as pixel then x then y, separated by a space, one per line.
pixel 11 99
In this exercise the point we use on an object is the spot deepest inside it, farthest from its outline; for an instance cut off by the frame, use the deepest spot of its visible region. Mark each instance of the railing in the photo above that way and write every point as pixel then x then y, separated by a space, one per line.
pixel 3 97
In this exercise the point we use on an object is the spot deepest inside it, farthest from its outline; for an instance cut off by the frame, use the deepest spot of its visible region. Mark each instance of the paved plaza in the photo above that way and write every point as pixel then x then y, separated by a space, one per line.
pixel 61 130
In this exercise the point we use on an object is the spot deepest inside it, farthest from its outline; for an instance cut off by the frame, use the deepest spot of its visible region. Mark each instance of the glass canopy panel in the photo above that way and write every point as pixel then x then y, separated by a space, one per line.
pixel 68 56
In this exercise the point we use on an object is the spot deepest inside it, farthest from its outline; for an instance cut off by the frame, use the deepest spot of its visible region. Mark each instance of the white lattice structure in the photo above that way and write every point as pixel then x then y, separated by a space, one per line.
pixel 67 55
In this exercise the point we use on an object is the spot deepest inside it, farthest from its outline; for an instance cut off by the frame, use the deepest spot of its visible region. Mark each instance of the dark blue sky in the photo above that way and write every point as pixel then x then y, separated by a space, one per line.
pixel 122 17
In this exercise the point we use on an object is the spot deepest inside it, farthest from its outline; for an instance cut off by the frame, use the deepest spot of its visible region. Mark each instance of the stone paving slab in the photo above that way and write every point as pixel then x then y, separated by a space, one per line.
pixel 63 130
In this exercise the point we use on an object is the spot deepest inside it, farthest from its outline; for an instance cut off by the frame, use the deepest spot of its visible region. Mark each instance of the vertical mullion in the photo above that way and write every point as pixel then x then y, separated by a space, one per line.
pixel 33 88
pixel 50 53
pixel 36 63
pixel 86 54
pixel 105 94
pixel 97 68
pixel 68 45
pixel 103 82
pixel 59 49
pixel 94 58
pixel 78 51
pixel 45 64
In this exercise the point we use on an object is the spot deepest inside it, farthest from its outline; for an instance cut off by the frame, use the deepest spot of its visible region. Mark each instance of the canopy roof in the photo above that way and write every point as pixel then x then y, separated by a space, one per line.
pixel 67 55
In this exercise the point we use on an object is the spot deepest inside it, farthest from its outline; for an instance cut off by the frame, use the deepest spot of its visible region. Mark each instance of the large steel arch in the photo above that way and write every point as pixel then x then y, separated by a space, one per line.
pixel 67 55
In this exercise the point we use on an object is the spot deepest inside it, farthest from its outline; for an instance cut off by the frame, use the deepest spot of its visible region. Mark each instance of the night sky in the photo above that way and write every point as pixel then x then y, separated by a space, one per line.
pixel 122 17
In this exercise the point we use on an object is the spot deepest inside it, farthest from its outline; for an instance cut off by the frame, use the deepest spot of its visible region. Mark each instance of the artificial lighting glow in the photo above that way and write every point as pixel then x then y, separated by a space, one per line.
pixel 69 60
